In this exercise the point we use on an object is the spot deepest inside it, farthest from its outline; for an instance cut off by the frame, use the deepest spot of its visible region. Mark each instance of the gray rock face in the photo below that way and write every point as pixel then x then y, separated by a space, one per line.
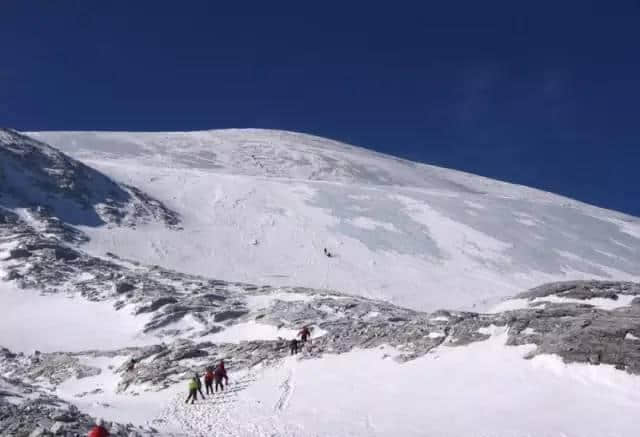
pixel 123 287
pixel 19 253
pixel 228 315
pixel 582 332
pixel 38 177
pixel 156 304
pixel 42 414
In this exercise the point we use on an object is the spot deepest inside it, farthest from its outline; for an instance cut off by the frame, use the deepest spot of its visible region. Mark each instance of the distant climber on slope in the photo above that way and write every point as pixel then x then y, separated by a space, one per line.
pixel 208 380
pixel 198 383
pixel 293 346
pixel 221 373
pixel 327 253
pixel 193 391
pixel 131 365
pixel 98 430
pixel 305 334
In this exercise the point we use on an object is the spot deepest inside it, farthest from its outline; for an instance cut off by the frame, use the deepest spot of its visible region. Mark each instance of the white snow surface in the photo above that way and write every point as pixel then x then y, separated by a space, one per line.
pixel 250 331
pixel 623 300
pixel 259 206
pixel 54 322
pixel 484 389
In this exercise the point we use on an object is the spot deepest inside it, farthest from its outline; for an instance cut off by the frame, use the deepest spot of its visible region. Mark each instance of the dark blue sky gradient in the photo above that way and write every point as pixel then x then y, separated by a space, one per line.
pixel 539 93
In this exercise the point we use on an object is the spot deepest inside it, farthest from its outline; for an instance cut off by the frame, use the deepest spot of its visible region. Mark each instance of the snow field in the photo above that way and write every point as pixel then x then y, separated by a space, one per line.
pixel 96 395
pixel 259 206
pixel 54 322
pixel 273 233
pixel 483 389
pixel 598 302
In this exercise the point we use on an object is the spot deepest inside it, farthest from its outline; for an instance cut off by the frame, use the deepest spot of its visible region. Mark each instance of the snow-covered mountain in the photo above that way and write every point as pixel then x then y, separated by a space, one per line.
pixel 260 206
pixel 182 249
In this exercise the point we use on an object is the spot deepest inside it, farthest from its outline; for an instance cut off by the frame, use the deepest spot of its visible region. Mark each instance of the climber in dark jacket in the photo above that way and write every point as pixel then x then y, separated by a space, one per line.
pixel 305 334
pixel 131 365
pixel 220 374
pixel 199 384
pixel 293 346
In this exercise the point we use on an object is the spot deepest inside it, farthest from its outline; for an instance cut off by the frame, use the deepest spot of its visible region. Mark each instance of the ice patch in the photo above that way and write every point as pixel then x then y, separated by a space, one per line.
pixel 371 224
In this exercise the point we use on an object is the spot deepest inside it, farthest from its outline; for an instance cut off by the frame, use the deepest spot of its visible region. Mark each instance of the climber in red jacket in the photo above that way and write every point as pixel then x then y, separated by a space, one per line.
pixel 98 430
pixel 208 380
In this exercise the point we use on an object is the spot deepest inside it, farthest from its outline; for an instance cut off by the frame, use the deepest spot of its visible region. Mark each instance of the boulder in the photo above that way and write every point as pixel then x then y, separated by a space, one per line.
pixel 64 417
pixel 230 314
pixel 18 253
pixel 123 287
pixel 65 253
pixel 156 304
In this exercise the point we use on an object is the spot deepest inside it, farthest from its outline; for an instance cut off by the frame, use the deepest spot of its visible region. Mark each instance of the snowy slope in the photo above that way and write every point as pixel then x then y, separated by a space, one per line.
pixel 86 253
pixel 365 393
pixel 259 206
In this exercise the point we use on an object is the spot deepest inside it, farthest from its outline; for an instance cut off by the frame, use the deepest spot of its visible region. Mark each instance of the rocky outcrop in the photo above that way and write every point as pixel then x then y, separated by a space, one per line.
pixel 39 178
pixel 27 410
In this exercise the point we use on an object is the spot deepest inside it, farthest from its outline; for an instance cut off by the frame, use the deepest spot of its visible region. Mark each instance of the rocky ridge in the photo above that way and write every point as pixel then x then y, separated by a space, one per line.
pixel 37 177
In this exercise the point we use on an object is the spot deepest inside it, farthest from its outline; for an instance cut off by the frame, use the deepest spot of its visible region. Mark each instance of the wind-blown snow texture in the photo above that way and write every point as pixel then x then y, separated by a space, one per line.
pixel 259 206
pixel 101 272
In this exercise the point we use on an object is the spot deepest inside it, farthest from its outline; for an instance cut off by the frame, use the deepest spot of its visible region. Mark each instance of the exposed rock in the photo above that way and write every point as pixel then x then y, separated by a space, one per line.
pixel 18 253
pixel 60 187
pixel 231 314
pixel 123 287
pixel 156 304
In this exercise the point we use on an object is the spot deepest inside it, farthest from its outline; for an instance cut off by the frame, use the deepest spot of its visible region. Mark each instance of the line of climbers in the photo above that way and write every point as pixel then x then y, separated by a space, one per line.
pixel 218 375
pixel 304 334
pixel 211 375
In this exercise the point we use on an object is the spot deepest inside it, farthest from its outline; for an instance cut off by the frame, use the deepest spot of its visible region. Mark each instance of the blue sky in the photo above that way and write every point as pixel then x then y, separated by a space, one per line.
pixel 544 94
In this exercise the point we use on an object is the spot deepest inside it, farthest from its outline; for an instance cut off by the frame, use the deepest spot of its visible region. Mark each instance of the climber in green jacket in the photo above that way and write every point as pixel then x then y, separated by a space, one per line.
pixel 193 390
